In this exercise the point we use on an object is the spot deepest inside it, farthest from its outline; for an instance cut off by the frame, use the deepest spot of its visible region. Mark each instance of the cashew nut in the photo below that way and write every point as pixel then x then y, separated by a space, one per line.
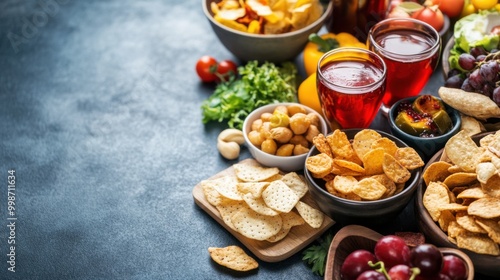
pixel 229 141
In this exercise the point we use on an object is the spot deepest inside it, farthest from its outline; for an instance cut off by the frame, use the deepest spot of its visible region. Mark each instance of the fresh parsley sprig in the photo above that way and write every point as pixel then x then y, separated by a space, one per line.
pixel 257 85
pixel 315 255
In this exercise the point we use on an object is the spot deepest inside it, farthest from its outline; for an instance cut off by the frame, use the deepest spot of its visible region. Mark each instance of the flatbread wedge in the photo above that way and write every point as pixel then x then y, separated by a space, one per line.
pixel 470 103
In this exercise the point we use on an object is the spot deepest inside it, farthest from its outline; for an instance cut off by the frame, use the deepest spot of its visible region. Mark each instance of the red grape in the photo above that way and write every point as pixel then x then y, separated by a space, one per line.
pixel 392 250
pixel 371 275
pixel 428 258
pixel 454 267
pixel 400 272
pixel 356 263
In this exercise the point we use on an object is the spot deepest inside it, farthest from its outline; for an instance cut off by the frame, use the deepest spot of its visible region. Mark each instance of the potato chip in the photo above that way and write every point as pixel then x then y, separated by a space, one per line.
pixel 491 227
pixel 471 125
pixel 488 208
pixel 363 141
pixel 436 172
pixel 369 189
pixel 478 243
pixel 340 170
pixel 344 184
pixel 494 145
pixel 492 187
pixel 452 206
pixel 340 145
pixel 311 215
pixel 454 229
pixel 255 188
pixel 445 218
pixel 253 173
pixel 254 225
pixel 409 158
pixel 455 169
pixel 475 193
pixel 387 144
pixel 435 196
pixel 484 171
pixel 460 179
pixel 280 197
pixel 463 151
pixel 233 257
pixel 486 140
pixel 319 165
pixel 468 222
pixel 373 161
pixel 259 205
pixel 294 182
pixel 388 184
pixel 395 170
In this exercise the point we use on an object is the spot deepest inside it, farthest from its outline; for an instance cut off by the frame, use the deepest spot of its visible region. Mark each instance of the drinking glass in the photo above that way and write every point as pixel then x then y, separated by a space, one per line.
pixel 351 84
pixel 410 49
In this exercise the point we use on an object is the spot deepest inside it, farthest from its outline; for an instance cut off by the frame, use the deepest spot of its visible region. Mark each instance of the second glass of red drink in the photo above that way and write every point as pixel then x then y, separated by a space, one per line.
pixel 351 84
pixel 410 49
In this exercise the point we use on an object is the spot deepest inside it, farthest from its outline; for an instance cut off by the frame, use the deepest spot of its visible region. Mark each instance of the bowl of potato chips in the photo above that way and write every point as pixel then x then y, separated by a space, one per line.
pixel 362 176
pixel 275 32
pixel 280 134
pixel 458 199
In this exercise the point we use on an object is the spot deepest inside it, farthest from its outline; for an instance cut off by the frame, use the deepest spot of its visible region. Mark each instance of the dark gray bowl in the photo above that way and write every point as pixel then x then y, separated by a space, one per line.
pixel 426 147
pixel 346 211
pixel 273 48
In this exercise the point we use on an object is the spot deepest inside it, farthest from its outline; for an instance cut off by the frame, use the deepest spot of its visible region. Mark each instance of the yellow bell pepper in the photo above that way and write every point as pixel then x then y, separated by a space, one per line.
pixel 318 45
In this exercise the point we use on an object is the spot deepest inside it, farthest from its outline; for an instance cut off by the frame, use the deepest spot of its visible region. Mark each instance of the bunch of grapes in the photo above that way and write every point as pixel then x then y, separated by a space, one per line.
pixel 482 73
pixel 393 259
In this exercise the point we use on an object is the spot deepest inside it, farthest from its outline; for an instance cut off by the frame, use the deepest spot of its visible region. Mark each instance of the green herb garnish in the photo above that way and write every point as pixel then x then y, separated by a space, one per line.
pixel 258 85
pixel 315 255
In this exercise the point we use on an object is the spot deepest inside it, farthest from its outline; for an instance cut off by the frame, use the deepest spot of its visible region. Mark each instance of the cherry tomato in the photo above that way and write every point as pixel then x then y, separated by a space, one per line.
pixel 484 4
pixel 451 8
pixel 226 68
pixel 206 67
pixel 434 17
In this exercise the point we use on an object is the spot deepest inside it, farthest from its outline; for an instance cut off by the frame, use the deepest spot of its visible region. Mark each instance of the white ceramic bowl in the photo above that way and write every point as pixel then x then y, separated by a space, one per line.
pixel 284 163
pixel 270 47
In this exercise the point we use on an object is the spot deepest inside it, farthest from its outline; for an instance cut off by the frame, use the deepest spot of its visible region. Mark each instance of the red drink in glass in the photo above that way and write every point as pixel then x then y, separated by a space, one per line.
pixel 351 84
pixel 411 50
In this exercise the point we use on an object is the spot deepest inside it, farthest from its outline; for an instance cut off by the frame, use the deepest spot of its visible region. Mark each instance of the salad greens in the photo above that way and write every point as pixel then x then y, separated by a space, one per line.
pixel 472 31
pixel 257 85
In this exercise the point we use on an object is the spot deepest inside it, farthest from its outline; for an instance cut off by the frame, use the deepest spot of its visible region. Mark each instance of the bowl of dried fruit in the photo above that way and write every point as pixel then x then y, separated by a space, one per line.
pixel 362 176
pixel 274 32
pixel 458 199
pixel 353 246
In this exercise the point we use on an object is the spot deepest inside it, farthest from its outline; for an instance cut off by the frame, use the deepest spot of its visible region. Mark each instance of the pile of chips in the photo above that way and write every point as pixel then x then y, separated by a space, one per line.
pixel 371 167
pixel 275 17
pixel 463 192
pixel 261 203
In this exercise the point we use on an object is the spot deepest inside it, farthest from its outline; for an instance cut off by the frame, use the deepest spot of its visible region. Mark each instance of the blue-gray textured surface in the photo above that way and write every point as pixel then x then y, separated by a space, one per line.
pixel 100 119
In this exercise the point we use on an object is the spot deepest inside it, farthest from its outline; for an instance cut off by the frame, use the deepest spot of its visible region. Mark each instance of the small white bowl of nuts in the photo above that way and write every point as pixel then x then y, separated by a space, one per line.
pixel 280 134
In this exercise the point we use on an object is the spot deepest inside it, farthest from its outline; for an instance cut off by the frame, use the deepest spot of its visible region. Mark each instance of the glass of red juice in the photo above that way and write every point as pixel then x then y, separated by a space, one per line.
pixel 410 49
pixel 351 84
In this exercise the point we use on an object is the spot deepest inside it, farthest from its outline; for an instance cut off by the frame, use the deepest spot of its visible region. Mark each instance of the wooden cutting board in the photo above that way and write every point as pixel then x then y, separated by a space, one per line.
pixel 298 237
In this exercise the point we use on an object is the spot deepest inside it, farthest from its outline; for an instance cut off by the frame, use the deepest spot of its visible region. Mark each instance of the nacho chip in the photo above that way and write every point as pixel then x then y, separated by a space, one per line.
pixel 468 222
pixel 471 125
pixel 280 197
pixel 395 170
pixel 387 144
pixel 460 179
pixel 387 183
pixel 349 165
pixel 478 243
pixel 311 215
pixel 484 171
pixel 409 158
pixel 363 140
pixel 475 193
pixel 492 227
pixel 233 257
pixel 373 161
pixel 435 196
pixel 344 184
pixel 463 151
pixel 322 145
pixel 445 218
pixel 488 208
pixel 340 145
pixel 436 172
pixel 492 187
pixel 369 189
